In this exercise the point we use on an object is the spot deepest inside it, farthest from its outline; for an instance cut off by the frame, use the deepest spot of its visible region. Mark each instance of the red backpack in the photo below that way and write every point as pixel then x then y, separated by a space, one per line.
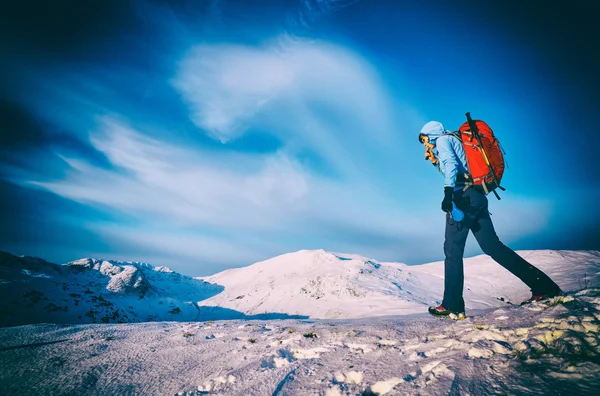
pixel 484 155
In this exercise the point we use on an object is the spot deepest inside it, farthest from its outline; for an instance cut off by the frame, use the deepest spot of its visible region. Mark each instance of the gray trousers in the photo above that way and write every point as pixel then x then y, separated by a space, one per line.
pixel 477 220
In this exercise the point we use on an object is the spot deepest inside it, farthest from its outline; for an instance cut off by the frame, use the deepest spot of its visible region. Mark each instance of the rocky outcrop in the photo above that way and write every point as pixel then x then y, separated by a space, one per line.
pixel 128 280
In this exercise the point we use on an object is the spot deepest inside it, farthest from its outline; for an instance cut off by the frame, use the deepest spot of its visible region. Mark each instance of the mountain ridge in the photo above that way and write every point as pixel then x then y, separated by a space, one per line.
pixel 307 283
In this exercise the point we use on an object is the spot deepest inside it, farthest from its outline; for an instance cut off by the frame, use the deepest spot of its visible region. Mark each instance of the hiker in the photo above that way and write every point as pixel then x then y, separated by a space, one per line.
pixel 445 150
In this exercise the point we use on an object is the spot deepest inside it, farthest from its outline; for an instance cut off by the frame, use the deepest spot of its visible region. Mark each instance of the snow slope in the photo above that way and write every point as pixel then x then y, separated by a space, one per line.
pixel 333 285
pixel 33 290
pixel 547 348
pixel 322 285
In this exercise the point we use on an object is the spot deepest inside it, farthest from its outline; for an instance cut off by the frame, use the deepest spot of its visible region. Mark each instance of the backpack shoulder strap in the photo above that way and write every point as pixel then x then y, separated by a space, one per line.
pixel 456 134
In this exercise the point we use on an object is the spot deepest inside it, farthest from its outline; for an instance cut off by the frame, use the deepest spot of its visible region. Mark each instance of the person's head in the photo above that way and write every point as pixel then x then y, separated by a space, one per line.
pixel 433 130
pixel 428 135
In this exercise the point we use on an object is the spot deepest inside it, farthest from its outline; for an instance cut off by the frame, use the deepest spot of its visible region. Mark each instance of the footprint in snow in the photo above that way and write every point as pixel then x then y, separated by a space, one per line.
pixel 275 362
pixel 282 359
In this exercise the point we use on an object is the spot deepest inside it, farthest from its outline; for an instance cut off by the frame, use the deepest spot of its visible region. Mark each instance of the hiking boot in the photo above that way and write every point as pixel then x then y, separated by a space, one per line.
pixel 441 312
pixel 542 297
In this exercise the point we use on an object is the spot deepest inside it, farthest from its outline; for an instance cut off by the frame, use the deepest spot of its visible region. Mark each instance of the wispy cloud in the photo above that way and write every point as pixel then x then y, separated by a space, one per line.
pixel 226 86
pixel 156 179
pixel 230 88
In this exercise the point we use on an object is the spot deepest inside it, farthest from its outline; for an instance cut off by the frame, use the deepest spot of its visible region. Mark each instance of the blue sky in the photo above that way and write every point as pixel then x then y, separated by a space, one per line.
pixel 204 135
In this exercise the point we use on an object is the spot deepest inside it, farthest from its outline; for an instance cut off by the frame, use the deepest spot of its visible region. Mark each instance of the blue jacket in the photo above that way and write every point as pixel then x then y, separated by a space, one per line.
pixel 450 153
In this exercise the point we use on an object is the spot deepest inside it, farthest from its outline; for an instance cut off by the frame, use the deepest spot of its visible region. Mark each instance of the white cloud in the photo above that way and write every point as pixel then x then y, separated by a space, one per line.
pixel 156 179
pixel 227 85
pixel 230 88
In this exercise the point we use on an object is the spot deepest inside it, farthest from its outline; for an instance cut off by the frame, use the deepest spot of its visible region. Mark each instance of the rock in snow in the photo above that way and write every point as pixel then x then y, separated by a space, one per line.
pixel 128 280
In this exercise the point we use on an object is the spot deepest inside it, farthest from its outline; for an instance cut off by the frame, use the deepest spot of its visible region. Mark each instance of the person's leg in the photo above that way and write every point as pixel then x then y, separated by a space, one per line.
pixel 454 247
pixel 454 277
pixel 538 282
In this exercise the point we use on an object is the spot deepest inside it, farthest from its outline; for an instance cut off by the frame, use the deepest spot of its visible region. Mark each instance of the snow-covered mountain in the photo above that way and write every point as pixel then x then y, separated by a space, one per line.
pixel 89 290
pixel 321 284
pixel 308 283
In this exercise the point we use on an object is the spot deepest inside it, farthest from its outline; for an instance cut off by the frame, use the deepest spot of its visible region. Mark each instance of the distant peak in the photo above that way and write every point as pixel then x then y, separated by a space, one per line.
pixel 91 262
pixel 83 262
pixel 305 251
pixel 162 268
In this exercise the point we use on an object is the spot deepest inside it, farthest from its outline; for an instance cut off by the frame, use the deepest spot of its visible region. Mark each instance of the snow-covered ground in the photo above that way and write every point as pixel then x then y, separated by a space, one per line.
pixel 304 323
pixel 530 350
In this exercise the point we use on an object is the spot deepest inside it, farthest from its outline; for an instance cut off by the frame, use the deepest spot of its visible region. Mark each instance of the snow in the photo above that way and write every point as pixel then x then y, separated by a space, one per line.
pixel 127 280
pixel 361 328
pixel 94 290
pixel 312 284
pixel 35 274
pixel 478 355
pixel 329 285
pixel 353 377
pixel 383 387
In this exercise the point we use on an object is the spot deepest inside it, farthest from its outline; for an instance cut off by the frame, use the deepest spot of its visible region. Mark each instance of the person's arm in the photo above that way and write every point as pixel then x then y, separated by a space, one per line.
pixel 447 156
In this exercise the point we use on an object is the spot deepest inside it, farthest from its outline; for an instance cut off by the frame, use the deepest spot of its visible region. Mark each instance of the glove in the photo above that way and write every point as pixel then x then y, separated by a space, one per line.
pixel 447 202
